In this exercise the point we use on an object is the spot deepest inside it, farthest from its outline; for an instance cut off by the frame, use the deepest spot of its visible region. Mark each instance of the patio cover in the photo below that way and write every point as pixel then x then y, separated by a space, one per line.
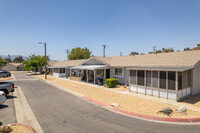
pixel 91 67
pixel 161 68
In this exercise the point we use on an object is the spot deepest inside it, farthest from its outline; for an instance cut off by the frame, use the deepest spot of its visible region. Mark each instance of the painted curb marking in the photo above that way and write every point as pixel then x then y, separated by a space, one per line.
pixel 149 117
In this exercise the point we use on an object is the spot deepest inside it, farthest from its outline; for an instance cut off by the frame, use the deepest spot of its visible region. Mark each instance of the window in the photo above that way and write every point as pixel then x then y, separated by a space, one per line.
pixel 100 72
pixel 163 79
pixel 118 72
pixel 179 80
pixel 62 70
pixel 133 77
pixel 155 79
pixel 148 78
pixel 140 76
pixel 171 80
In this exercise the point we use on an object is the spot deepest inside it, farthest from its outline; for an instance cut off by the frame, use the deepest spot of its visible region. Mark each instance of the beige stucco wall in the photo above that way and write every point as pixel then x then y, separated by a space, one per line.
pixel 196 79
pixel 122 79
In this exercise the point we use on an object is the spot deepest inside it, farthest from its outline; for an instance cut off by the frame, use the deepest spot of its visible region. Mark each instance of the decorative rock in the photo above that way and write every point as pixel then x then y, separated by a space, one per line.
pixel 181 109
pixel 166 111
pixel 114 104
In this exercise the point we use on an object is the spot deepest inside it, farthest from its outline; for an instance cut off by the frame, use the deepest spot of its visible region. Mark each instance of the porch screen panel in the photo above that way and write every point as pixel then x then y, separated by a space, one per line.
pixel 171 80
pixel 189 78
pixel 140 76
pixel 179 80
pixel 163 79
pixel 184 80
pixel 155 79
pixel 148 78
pixel 133 77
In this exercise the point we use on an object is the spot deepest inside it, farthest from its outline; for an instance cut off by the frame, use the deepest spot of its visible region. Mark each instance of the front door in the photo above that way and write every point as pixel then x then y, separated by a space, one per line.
pixel 107 73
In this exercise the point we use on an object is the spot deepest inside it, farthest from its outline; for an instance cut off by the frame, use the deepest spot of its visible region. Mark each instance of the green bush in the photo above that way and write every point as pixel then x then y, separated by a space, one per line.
pixel 111 83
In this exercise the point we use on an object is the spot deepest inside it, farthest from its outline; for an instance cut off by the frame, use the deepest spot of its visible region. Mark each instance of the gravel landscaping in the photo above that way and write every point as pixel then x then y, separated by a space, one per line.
pixel 126 102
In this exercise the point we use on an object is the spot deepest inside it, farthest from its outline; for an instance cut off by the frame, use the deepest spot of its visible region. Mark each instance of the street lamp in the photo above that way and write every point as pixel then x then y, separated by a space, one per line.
pixel 45 51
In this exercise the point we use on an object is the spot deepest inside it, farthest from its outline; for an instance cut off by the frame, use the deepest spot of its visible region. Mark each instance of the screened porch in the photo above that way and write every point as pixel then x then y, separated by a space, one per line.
pixel 170 83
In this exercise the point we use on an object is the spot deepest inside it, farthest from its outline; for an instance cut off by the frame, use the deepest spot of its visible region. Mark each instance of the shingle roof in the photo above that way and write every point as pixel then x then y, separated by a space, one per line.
pixel 69 63
pixel 173 59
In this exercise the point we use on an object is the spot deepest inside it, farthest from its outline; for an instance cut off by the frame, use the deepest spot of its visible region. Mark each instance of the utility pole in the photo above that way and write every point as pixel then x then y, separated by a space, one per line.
pixel 45 63
pixel 120 53
pixel 104 48
pixel 67 51
pixel 154 49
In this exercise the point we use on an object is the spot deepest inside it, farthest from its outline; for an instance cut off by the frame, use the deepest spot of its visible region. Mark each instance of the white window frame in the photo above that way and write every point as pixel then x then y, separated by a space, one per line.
pixel 118 75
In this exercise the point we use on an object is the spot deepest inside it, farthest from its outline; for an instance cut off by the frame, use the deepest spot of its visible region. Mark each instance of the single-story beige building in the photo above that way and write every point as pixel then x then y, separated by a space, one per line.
pixel 174 75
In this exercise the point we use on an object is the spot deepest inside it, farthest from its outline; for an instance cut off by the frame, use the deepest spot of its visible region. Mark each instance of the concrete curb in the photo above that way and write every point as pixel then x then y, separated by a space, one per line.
pixel 182 120
pixel 23 111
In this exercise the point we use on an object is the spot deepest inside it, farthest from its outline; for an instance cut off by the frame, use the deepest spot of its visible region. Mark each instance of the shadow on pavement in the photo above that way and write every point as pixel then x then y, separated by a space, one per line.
pixel 3 106
pixel 10 97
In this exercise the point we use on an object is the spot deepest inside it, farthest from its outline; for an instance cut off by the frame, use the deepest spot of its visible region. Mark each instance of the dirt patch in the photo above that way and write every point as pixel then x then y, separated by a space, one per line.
pixel 4 79
pixel 126 102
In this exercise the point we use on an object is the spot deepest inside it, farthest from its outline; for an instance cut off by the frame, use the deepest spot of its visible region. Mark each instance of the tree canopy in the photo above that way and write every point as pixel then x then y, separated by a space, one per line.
pixel 34 63
pixel 79 53
pixel 133 53
pixel 18 59
pixel 3 63
pixel 8 59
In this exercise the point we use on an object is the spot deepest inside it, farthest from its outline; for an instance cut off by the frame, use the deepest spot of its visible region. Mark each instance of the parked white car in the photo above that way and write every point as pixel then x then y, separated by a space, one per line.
pixel 2 97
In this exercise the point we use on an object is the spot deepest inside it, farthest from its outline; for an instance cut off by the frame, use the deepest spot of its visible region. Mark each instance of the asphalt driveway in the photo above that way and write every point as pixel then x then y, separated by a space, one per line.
pixel 60 112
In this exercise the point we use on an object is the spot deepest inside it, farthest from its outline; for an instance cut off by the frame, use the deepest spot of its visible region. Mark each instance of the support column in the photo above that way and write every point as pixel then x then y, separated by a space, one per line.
pixel 87 75
pixel 182 86
pixel 137 80
pixel 176 86
pixel 70 73
pixel 145 82
pixel 94 76
pixel 151 83
pixel 167 83
pixel 159 84
pixel 129 80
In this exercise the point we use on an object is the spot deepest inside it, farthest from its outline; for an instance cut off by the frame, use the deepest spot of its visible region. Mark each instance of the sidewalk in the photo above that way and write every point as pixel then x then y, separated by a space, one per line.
pixel 129 101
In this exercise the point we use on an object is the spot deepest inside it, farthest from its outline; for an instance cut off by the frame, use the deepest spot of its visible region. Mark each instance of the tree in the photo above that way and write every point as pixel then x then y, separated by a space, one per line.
pixel 3 63
pixel 34 63
pixel 18 59
pixel 79 53
pixel 133 53
pixel 186 49
pixel 8 59
pixel 166 50
pixel 158 51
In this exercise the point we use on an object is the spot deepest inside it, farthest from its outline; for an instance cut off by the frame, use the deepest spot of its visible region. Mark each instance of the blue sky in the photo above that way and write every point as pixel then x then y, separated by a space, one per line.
pixel 123 25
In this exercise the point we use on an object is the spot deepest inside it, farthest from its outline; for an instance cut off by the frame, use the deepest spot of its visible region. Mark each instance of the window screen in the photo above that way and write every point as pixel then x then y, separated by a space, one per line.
pixel 171 80
pixel 184 78
pixel 155 79
pixel 189 78
pixel 133 77
pixel 140 75
pixel 179 80
pixel 163 79
pixel 118 71
pixel 148 78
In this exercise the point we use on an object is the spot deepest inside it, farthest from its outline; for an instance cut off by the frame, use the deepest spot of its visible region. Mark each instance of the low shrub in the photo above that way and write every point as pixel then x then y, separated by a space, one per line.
pixel 111 83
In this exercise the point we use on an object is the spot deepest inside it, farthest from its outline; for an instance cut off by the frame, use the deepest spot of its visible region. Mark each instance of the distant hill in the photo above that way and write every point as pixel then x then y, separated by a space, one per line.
pixel 196 48
pixel 13 56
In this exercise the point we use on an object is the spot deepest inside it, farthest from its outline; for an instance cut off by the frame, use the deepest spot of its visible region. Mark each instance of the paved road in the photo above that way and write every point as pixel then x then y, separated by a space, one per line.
pixel 7 111
pixel 61 112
